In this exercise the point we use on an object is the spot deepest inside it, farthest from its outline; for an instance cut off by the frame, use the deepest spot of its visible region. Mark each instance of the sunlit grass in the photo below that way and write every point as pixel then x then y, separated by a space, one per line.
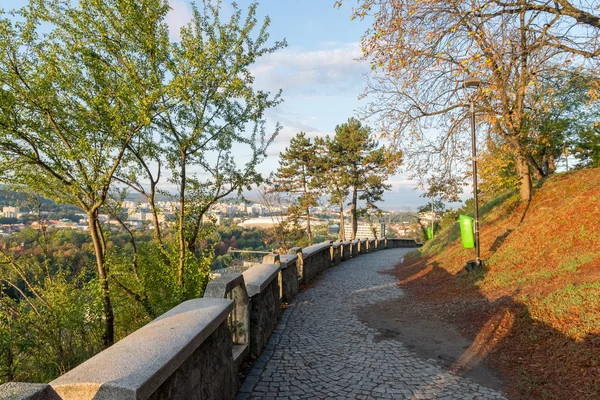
pixel 574 309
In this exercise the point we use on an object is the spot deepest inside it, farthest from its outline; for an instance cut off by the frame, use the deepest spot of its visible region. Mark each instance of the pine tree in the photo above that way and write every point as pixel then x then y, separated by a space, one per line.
pixel 362 165
pixel 327 178
pixel 295 176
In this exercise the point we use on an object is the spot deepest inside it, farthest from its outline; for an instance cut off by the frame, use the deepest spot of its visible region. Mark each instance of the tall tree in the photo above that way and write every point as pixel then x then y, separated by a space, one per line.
pixel 327 174
pixel 566 105
pixel 423 50
pixel 563 109
pixel 295 176
pixel 210 110
pixel 363 166
pixel 72 100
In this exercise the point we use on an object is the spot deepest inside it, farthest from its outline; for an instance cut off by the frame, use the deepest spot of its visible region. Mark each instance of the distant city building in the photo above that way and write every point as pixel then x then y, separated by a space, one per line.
pixel 11 212
pixel 428 216
pixel 365 231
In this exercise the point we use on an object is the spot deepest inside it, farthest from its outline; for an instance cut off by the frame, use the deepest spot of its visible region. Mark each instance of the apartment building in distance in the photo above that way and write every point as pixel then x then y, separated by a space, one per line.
pixel 365 231
pixel 11 212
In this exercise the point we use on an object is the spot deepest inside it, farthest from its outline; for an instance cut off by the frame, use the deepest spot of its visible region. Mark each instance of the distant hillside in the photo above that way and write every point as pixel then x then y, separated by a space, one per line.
pixel 534 312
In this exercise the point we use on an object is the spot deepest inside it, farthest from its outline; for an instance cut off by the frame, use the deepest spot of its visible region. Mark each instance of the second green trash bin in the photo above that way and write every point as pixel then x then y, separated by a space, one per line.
pixel 466 231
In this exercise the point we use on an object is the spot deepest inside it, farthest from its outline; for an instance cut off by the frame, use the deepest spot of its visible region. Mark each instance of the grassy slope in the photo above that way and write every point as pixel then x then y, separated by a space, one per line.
pixel 540 293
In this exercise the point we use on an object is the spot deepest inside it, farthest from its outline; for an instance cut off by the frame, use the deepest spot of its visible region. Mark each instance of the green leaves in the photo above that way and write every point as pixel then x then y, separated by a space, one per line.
pixel 95 98
pixel 78 94
pixel 361 163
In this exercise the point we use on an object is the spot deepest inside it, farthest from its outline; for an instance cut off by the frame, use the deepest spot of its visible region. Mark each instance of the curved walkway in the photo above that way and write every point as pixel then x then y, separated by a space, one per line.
pixel 321 350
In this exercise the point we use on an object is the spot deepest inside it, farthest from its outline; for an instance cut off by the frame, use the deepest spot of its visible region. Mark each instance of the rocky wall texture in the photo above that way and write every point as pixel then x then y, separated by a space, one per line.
pixel 402 243
pixel 316 262
pixel 346 251
pixel 208 373
pixel 265 308
pixel 289 282
pixel 336 254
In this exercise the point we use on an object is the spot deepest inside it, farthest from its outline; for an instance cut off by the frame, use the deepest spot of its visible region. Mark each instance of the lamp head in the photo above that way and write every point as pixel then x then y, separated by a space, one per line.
pixel 471 82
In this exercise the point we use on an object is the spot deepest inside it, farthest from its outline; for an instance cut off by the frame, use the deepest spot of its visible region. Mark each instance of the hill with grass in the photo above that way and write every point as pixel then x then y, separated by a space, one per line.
pixel 533 311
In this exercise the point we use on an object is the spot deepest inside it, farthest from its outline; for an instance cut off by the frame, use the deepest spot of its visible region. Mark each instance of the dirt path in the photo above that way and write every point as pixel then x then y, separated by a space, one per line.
pixel 430 337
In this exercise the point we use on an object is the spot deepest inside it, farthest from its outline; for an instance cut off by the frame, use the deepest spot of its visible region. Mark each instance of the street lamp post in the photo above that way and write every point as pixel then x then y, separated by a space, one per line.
pixel 472 82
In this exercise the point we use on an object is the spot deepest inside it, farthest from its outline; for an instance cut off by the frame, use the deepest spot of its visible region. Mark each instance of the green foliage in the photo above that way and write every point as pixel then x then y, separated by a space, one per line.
pixel 449 218
pixel 353 163
pixel 438 207
pixel 586 147
pixel 56 327
pixel 93 93
pixel 296 177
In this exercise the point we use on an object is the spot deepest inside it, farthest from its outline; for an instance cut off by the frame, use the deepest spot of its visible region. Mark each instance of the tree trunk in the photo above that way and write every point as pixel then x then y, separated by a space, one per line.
pixel 524 177
pixel 353 212
pixel 538 172
pixel 551 164
pixel 305 187
pixel 157 229
pixel 308 228
pixel 181 227
pixel 342 230
pixel 548 163
pixel 108 337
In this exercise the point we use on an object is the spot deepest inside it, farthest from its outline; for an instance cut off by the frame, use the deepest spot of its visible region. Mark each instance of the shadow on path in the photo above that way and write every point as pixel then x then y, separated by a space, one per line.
pixel 495 343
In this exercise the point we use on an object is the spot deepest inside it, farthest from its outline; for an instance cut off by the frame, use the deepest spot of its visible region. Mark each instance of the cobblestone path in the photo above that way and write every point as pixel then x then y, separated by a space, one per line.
pixel 320 349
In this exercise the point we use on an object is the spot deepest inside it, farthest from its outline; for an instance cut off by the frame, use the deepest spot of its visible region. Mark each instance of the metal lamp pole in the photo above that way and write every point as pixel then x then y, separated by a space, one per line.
pixel 472 82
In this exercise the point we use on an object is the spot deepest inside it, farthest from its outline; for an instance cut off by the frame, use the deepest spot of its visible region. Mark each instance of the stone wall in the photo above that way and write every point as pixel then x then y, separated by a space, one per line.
pixel 336 253
pixel 371 245
pixel 207 374
pixel 355 248
pixel 315 259
pixel 184 353
pixel 346 251
pixel 288 278
pixel 265 304
pixel 195 350
pixel 397 243
pixel 362 247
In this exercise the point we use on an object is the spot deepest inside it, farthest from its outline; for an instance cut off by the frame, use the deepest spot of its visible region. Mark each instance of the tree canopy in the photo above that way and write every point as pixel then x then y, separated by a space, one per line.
pixel 97 101
pixel 422 51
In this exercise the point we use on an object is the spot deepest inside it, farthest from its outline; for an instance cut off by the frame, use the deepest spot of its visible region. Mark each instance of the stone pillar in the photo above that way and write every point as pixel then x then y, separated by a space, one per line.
pixel 299 262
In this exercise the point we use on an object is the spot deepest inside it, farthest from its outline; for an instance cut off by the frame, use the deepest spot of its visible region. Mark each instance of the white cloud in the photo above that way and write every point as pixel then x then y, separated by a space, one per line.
pixel 179 15
pixel 398 183
pixel 332 70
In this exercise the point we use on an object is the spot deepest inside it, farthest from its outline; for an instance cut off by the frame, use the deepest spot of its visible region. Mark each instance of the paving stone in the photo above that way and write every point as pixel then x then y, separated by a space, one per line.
pixel 322 350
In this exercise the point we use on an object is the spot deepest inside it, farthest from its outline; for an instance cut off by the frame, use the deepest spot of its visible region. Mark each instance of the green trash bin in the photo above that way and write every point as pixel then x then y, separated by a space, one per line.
pixel 466 231
pixel 430 233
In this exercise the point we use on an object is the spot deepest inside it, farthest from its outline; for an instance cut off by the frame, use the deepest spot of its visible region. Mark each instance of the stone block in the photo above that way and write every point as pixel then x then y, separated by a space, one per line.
pixel 336 253
pixel 363 246
pixel 259 277
pixel 316 259
pixel 346 251
pixel 27 391
pixel 299 262
pixel 355 248
pixel 166 350
pixel 371 246
pixel 288 276
pixel 233 287
pixel 265 307
pixel 272 258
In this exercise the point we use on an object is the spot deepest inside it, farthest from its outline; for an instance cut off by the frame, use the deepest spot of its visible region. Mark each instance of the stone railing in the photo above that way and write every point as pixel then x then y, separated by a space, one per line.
pixel 195 350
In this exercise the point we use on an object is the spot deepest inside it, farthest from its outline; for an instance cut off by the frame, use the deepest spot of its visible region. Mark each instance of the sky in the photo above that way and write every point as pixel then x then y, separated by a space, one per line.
pixel 319 72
